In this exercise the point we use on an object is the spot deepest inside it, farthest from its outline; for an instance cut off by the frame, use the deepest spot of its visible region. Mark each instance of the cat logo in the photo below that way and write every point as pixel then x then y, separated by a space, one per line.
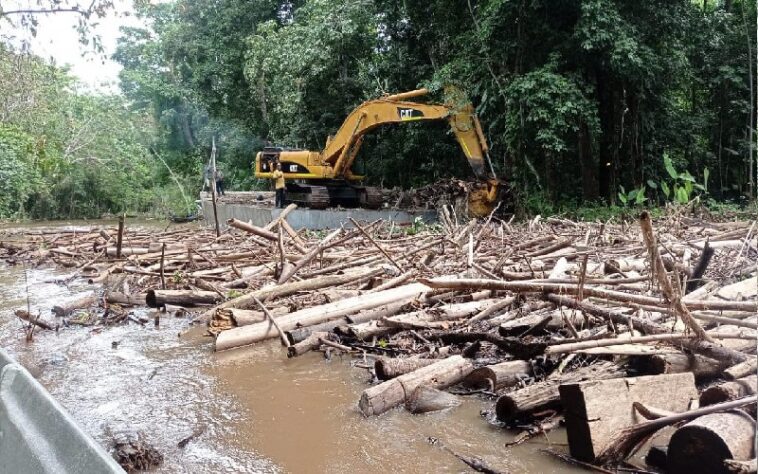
pixel 406 114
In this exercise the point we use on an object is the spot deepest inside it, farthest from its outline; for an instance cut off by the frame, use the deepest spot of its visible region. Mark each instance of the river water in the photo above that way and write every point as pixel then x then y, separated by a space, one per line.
pixel 255 410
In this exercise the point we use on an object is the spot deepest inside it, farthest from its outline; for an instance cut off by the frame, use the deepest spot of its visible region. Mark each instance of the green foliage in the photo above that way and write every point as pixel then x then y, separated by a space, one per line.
pixel 579 99
pixel 18 154
pixel 635 197
pixel 64 153
pixel 683 186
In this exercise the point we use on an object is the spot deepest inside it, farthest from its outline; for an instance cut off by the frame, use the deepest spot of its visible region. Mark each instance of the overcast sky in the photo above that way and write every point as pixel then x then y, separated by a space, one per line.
pixel 57 39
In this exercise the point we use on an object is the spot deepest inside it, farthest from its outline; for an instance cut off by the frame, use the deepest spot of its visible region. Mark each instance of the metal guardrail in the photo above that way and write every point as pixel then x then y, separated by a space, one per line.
pixel 37 435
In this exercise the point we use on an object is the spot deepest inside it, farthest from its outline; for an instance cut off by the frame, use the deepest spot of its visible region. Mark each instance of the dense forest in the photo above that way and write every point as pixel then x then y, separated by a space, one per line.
pixel 583 101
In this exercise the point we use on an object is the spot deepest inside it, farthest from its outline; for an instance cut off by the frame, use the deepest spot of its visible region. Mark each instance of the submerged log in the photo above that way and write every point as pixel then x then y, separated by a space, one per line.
pixel 426 399
pixel 703 444
pixel 442 374
pixel 187 298
pixel 310 343
pixel 246 335
pixel 64 309
pixel 499 376
pixel 521 402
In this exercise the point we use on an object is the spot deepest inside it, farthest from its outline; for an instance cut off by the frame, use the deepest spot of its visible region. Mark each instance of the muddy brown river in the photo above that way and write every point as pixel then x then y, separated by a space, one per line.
pixel 257 411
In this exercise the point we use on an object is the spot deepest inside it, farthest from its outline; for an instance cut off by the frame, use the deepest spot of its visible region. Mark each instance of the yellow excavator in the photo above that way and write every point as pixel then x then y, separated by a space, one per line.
pixel 319 179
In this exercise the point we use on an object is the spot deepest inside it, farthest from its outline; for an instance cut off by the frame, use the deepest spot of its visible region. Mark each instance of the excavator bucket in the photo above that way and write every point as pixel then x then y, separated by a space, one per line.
pixel 483 199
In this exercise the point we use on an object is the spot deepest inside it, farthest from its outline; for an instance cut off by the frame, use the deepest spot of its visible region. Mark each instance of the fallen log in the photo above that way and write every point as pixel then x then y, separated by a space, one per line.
pixel 64 309
pixel 743 369
pixel 438 316
pixel 187 298
pixel 708 349
pixel 290 271
pixel 259 231
pixel 300 334
pixel 426 399
pixel 703 444
pixel 442 374
pixel 729 390
pixel 677 363
pixel 386 369
pixel 574 289
pixel 246 335
pixel 247 301
pixel 113 297
pixel 595 410
pixel 36 320
pixel 499 376
pixel 245 317
pixel 520 403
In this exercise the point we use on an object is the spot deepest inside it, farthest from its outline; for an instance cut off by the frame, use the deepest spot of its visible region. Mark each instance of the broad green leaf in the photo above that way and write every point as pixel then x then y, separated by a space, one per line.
pixel 666 189
pixel 669 166
pixel 652 184
pixel 681 195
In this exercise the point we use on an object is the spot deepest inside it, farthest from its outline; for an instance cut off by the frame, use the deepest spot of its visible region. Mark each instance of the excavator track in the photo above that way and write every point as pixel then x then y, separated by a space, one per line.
pixel 333 194
pixel 306 195
pixel 370 197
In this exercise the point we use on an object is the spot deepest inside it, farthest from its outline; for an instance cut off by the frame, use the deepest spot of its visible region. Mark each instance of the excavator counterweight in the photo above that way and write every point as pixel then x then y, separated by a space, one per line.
pixel 326 178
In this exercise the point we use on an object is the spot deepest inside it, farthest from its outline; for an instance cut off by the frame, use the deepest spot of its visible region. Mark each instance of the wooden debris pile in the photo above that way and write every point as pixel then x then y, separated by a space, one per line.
pixel 448 191
pixel 615 330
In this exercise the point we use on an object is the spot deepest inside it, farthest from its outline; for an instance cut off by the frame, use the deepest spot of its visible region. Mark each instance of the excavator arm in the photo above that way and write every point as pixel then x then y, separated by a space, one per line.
pixel 336 160
pixel 341 150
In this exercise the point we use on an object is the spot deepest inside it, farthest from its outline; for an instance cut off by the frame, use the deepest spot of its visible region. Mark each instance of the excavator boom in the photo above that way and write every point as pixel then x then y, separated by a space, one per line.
pixel 334 163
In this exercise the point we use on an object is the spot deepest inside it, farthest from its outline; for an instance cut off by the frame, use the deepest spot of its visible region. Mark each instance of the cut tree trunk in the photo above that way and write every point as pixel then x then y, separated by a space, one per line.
pixel 520 403
pixel 703 444
pixel 186 298
pixel 442 374
pixel 596 410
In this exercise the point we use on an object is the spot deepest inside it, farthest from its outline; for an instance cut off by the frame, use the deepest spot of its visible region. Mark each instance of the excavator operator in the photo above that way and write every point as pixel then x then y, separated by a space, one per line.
pixel 278 177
